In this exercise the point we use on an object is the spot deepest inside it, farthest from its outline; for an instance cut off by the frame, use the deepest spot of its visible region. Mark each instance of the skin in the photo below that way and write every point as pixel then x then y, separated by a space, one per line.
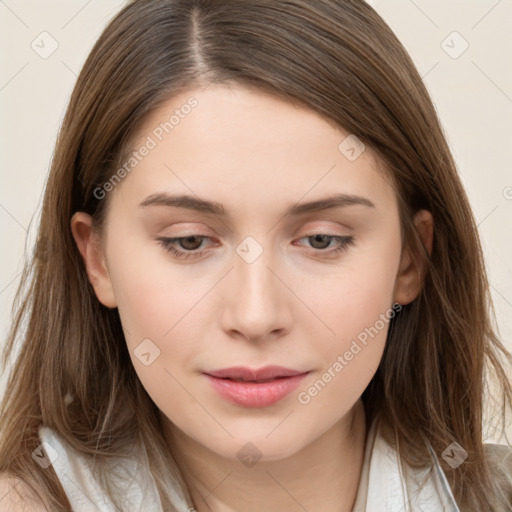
pixel 296 305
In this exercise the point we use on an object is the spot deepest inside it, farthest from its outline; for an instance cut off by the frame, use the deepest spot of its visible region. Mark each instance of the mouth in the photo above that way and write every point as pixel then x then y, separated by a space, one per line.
pixel 252 380
pixel 267 373
pixel 255 388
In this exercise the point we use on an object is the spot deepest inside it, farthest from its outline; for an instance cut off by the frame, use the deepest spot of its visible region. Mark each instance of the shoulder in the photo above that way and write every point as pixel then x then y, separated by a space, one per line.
pixel 16 496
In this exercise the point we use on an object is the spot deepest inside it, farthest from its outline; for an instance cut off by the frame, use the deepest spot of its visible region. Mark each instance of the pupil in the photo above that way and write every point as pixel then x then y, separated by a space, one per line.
pixel 191 239
pixel 320 238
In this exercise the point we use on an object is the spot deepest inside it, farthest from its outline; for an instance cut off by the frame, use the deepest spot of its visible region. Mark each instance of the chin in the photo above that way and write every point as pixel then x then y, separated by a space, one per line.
pixel 258 446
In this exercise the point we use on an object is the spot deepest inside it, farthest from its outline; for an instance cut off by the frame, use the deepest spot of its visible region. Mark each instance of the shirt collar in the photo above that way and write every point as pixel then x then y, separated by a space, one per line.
pixel 388 484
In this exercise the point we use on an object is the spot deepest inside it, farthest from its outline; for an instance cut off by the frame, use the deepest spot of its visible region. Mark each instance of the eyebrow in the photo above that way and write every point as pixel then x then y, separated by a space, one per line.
pixel 214 208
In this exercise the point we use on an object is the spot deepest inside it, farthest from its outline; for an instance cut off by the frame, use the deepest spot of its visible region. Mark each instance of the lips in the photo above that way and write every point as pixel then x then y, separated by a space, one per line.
pixel 255 388
pixel 246 374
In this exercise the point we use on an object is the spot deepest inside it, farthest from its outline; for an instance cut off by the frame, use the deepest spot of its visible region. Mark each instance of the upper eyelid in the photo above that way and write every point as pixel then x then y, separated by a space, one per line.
pixel 339 216
pixel 176 239
pixel 315 230
pixel 308 234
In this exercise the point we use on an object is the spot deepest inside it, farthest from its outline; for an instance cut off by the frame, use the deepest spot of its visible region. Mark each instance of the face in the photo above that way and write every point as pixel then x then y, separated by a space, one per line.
pixel 244 274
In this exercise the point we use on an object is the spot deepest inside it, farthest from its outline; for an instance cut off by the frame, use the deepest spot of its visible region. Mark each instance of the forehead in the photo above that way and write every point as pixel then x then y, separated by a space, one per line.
pixel 232 139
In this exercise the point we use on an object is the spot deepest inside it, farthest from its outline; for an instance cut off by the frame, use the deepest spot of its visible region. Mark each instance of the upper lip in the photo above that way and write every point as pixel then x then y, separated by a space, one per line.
pixel 244 373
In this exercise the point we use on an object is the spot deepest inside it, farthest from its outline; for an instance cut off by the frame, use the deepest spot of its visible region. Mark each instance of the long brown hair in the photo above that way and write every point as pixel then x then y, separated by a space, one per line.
pixel 340 59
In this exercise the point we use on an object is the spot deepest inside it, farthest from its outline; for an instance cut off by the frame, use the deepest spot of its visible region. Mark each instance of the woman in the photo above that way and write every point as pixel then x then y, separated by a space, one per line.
pixel 191 342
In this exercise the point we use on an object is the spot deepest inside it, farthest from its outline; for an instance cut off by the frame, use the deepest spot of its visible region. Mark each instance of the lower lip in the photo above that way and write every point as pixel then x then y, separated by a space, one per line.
pixel 255 394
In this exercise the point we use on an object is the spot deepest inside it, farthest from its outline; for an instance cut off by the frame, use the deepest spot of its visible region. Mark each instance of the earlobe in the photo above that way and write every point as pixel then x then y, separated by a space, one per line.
pixel 411 272
pixel 90 248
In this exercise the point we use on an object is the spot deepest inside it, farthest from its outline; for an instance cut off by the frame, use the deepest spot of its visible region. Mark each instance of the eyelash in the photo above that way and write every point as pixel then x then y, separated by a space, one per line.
pixel 169 244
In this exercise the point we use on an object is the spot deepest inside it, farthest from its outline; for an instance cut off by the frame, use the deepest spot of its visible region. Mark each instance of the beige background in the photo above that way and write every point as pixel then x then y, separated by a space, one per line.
pixel 472 91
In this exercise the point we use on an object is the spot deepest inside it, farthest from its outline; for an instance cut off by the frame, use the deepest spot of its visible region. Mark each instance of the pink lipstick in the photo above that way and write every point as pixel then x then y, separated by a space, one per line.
pixel 255 388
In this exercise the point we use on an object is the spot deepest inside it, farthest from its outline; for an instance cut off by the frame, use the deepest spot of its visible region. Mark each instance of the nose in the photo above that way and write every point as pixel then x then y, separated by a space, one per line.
pixel 257 302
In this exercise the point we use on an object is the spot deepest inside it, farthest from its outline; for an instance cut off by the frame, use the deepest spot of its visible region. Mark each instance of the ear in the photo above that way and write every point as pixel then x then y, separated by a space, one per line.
pixel 411 272
pixel 89 245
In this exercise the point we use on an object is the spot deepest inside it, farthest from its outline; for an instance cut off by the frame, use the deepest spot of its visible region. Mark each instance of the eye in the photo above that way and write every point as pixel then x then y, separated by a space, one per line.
pixel 189 246
pixel 318 241
pixel 188 243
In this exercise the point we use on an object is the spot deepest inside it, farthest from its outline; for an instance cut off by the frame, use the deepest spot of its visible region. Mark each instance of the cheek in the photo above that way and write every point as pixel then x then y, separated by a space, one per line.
pixel 354 294
pixel 349 362
pixel 358 308
pixel 161 306
pixel 155 310
pixel 152 293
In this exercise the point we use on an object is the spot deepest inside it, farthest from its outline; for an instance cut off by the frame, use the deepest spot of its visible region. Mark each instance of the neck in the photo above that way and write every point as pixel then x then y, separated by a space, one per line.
pixel 323 475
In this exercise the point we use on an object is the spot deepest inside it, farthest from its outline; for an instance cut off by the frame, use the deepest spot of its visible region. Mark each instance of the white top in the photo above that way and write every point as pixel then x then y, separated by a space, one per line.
pixel 386 484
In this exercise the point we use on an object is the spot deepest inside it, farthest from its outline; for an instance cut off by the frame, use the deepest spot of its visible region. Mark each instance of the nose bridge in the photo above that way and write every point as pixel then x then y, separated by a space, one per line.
pixel 255 303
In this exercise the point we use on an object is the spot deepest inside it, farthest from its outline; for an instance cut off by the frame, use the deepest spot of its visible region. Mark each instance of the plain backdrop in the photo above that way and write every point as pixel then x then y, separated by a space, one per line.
pixel 462 49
